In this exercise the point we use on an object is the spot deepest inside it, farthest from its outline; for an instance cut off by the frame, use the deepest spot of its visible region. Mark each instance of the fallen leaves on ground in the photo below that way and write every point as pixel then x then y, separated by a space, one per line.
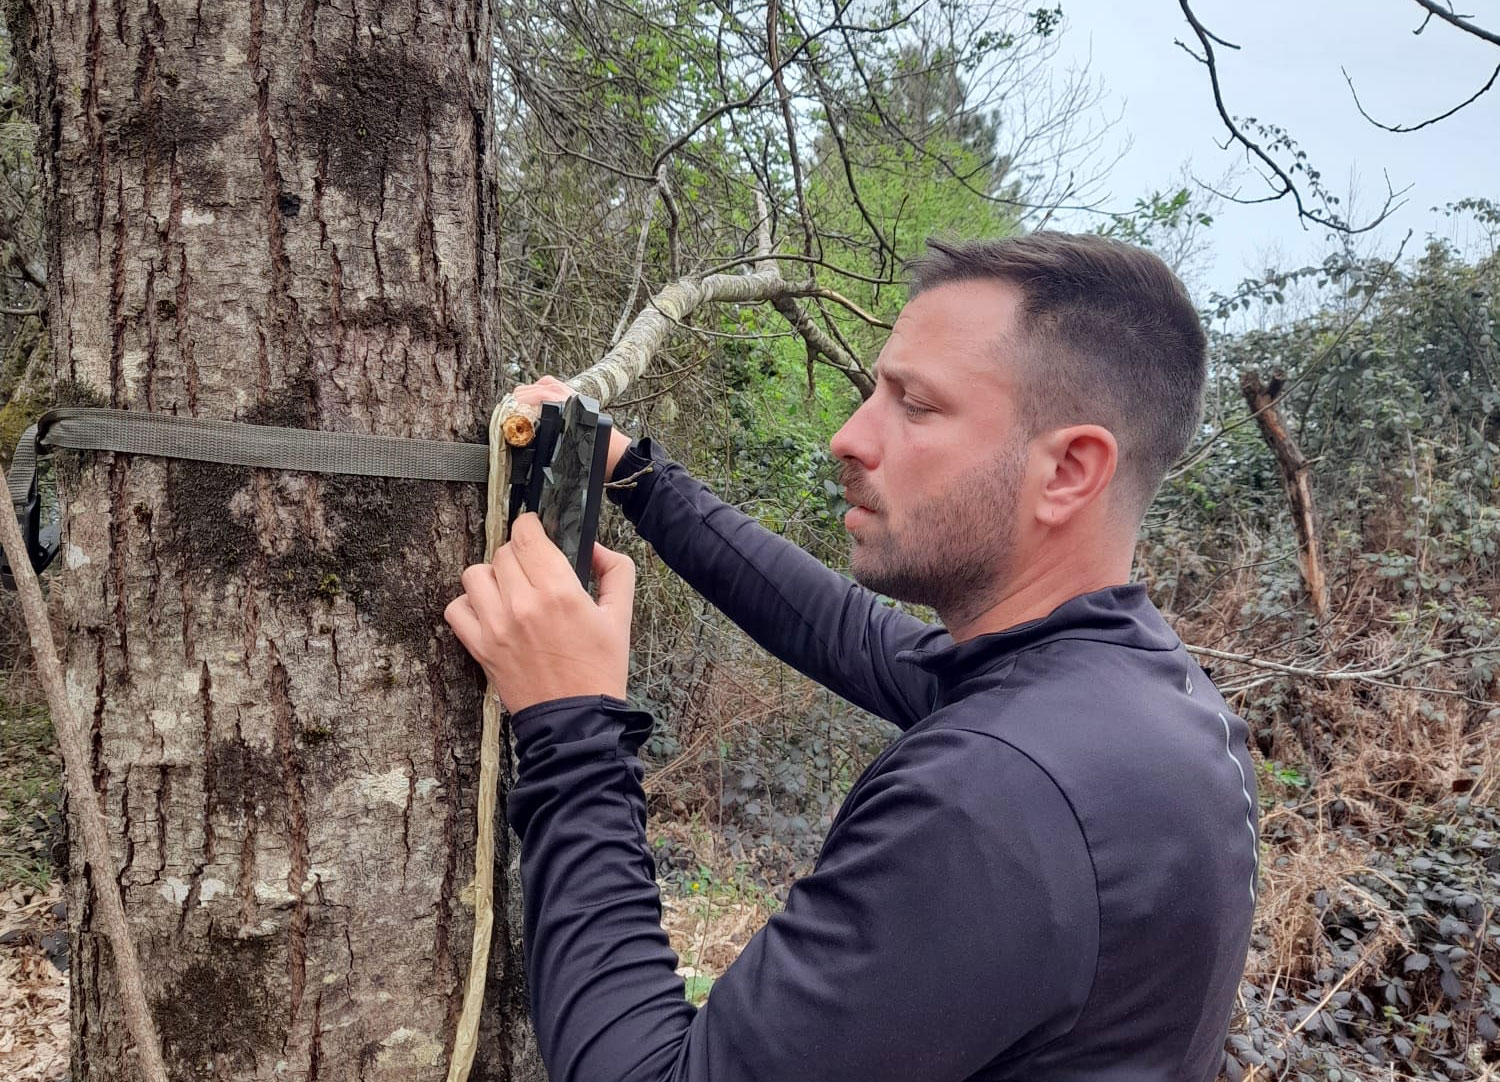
pixel 33 993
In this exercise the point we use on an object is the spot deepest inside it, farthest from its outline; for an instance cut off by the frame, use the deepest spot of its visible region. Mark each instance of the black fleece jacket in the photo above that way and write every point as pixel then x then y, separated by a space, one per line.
pixel 1049 874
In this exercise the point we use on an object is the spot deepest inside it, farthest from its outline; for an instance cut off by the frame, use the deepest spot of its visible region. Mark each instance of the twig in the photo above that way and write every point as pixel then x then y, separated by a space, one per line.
pixel 843 150
pixel 85 802
pixel 1284 185
pixel 629 482
pixel 824 293
pixel 562 275
pixel 773 11
pixel 664 186
pixel 818 341
pixel 635 272
pixel 1341 674
pixel 28 270
pixel 756 257
pixel 1358 965
pixel 1447 15
pixel 1402 128
pixel 833 326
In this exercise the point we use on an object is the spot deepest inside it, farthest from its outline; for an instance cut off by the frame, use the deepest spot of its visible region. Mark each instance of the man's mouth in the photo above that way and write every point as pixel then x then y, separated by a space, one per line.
pixel 854 496
pixel 861 506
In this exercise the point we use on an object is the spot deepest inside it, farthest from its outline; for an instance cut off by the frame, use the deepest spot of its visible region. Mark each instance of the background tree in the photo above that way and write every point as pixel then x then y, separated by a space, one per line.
pixel 23 311
pixel 633 141
pixel 1271 150
pixel 1377 731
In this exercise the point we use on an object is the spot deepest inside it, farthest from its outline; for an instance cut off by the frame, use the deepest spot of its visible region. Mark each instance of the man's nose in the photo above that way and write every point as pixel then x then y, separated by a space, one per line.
pixel 853 441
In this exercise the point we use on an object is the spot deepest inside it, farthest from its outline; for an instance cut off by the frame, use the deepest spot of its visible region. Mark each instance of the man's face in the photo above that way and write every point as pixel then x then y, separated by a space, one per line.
pixel 932 460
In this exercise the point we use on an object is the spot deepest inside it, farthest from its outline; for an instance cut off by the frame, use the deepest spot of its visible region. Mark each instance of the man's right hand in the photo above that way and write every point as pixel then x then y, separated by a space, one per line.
pixel 550 389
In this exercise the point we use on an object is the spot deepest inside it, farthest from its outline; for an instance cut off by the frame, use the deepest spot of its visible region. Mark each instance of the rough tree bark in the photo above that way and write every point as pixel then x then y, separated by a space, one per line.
pixel 277 212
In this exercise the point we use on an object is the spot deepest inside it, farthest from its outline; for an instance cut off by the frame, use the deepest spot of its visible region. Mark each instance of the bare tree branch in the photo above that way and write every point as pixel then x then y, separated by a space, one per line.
pixel 1460 21
pixel 28 269
pixel 664 185
pixel 1400 128
pixel 72 739
pixel 818 341
pixel 843 152
pixel 833 327
pixel 823 293
pixel 773 50
pixel 623 364
pixel 635 274
pixel 1382 673
pixel 1282 185
pixel 757 257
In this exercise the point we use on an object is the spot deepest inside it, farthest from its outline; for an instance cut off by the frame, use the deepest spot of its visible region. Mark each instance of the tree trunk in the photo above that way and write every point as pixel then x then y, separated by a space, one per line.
pixel 280 213
pixel 1262 400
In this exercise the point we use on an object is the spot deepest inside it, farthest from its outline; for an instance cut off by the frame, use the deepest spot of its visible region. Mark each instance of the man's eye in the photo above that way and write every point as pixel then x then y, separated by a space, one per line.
pixel 914 410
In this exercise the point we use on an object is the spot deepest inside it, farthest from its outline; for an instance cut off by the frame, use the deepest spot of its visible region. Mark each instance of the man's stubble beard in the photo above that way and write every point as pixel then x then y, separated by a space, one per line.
pixel 957 547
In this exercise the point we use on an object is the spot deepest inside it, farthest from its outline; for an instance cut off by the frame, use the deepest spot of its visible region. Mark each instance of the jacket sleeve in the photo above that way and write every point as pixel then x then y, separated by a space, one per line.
pixel 952 920
pixel 811 617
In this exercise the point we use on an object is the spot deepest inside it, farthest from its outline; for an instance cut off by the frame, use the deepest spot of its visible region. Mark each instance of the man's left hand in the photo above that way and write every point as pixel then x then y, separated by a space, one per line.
pixel 533 627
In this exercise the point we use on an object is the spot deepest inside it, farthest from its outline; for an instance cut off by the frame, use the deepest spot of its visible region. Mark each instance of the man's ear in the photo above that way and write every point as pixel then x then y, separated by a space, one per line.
pixel 1079 463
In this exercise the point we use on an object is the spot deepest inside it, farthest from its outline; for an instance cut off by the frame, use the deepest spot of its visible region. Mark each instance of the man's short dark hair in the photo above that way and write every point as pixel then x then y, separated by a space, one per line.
pixel 1111 339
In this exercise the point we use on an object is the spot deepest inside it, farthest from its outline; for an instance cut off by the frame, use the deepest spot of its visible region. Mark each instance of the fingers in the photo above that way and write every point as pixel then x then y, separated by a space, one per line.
pixel 508 573
pixel 615 573
pixel 546 389
pixel 529 570
pixel 534 629
pixel 464 622
pixel 482 594
pixel 542 562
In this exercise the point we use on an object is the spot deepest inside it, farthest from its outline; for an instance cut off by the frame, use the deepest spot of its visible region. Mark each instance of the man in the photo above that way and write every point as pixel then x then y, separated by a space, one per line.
pixel 1051 873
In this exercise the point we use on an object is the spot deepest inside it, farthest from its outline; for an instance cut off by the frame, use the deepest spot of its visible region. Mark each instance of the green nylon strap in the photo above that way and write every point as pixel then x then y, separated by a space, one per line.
pixel 22 470
pixel 134 432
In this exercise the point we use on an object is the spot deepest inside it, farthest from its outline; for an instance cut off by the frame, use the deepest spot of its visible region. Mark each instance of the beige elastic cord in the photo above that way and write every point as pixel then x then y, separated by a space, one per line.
pixel 512 423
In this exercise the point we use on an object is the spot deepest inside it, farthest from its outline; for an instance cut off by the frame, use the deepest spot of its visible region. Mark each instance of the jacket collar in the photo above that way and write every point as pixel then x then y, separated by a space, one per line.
pixel 1122 615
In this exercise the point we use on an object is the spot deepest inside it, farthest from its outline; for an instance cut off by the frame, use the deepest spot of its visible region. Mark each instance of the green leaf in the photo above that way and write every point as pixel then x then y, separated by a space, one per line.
pixel 697 988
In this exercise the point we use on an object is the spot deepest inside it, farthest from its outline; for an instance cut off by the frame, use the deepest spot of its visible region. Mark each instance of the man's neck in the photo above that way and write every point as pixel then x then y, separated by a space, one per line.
pixel 1031 597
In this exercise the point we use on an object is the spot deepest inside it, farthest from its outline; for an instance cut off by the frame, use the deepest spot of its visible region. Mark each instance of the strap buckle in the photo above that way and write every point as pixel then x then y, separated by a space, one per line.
pixel 42 542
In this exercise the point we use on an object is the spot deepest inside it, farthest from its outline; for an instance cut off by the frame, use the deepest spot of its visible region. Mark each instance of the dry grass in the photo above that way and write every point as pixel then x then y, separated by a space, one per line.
pixel 1349 769
pixel 708 933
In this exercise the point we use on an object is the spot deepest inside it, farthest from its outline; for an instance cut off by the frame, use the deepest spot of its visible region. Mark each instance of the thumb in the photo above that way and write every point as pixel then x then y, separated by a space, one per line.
pixel 615 573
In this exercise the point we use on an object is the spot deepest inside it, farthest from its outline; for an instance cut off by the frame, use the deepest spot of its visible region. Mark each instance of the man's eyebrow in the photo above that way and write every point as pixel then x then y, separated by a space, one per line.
pixel 905 378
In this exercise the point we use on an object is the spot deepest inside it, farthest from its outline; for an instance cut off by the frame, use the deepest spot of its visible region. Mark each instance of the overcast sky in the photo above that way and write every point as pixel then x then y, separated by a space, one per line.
pixel 1287 72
